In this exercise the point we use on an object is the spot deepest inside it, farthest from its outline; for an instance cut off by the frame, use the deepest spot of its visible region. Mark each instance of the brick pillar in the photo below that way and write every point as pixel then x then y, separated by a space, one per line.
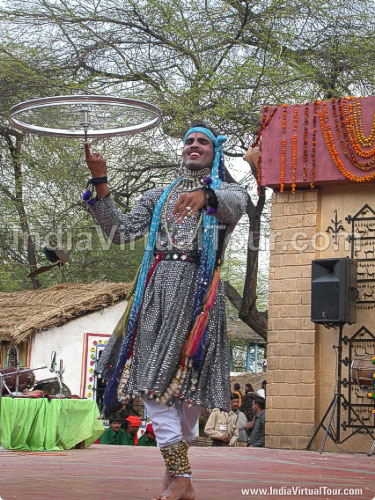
pixel 291 388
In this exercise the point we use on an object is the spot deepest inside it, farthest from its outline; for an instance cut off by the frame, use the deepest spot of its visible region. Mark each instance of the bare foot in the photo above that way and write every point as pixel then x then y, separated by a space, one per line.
pixel 180 489
pixel 167 480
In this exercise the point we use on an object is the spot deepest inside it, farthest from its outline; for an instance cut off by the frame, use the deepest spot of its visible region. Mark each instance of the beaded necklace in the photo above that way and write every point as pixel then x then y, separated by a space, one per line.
pixel 166 226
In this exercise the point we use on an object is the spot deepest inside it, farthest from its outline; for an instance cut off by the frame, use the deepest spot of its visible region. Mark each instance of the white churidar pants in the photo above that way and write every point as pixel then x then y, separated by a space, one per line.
pixel 172 424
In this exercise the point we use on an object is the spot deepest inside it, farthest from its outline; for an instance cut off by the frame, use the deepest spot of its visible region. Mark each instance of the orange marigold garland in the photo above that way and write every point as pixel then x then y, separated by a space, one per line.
pixel 265 122
pixel 345 140
pixel 329 140
pixel 347 116
pixel 358 124
pixel 283 123
pixel 283 147
pixel 294 148
pixel 259 167
pixel 313 145
pixel 305 136
pixel 350 130
pixel 282 170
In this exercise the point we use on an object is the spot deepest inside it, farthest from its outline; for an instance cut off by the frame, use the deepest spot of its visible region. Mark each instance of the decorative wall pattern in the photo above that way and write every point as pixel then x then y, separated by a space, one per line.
pixel 362 239
pixel 360 381
pixel 93 344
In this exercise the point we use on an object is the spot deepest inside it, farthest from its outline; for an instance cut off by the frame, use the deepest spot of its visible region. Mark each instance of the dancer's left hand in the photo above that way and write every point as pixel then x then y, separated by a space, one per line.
pixel 189 203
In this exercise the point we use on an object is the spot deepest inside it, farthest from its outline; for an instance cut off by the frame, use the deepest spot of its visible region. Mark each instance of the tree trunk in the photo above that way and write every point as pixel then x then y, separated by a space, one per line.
pixel 14 140
pixel 246 305
pixel 248 311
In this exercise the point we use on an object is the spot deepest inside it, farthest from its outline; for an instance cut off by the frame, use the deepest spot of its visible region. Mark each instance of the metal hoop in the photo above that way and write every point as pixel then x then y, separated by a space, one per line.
pixel 34 104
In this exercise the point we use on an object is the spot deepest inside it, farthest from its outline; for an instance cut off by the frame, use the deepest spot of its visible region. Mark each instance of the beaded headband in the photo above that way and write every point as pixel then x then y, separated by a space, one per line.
pixel 202 130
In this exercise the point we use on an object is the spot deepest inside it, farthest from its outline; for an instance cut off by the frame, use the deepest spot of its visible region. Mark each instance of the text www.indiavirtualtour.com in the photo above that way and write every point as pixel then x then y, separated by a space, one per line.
pixel 299 491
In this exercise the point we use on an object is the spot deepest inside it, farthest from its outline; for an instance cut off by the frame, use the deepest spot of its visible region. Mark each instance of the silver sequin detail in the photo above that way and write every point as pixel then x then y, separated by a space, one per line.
pixel 165 319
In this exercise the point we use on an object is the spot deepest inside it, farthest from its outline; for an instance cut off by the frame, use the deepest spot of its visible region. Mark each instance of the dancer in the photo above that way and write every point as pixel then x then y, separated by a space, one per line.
pixel 171 346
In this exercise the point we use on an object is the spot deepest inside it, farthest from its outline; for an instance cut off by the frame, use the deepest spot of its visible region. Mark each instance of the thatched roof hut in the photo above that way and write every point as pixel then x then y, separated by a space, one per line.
pixel 27 312
pixel 239 331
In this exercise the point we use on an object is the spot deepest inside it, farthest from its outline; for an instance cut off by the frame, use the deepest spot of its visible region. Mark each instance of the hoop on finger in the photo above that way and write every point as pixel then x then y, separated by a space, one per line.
pixel 84 116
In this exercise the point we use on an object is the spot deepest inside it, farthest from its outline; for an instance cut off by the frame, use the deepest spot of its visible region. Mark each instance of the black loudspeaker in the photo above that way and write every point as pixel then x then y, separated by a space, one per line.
pixel 334 291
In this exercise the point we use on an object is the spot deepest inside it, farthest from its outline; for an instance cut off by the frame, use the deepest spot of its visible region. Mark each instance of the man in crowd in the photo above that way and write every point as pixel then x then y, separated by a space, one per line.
pixel 247 402
pixel 241 420
pixel 237 391
pixel 257 435
pixel 131 434
pixel 148 438
pixel 222 426
pixel 114 434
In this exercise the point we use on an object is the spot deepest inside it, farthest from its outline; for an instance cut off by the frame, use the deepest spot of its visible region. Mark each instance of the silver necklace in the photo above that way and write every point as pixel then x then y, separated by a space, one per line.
pixel 193 179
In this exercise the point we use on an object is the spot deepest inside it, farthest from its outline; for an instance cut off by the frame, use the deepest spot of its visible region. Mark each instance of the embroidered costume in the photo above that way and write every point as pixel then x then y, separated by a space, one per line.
pixel 171 345
pixel 165 318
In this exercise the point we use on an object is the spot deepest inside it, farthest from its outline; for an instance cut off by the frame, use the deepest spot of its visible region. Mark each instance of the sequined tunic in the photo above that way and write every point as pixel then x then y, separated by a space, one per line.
pixel 166 314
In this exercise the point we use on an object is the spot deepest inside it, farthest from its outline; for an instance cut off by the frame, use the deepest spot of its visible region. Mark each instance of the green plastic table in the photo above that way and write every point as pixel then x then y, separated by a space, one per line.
pixel 40 424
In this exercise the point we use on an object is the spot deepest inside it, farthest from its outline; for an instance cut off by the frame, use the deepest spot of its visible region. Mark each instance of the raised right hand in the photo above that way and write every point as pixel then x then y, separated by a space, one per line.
pixel 95 162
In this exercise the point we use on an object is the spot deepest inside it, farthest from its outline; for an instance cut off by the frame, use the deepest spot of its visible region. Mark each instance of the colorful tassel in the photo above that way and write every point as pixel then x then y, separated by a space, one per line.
pixel 200 323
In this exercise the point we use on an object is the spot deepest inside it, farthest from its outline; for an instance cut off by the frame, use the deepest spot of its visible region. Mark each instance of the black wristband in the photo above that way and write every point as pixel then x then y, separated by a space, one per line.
pixel 210 198
pixel 98 180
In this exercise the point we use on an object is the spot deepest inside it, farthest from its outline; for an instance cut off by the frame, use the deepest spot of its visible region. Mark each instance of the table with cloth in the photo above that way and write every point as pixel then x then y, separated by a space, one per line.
pixel 29 424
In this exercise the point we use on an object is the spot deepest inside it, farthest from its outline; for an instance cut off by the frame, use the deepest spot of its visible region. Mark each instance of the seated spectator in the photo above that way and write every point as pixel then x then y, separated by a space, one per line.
pixel 237 390
pixel 114 434
pixel 222 428
pixel 257 435
pixel 148 438
pixel 134 424
pixel 241 419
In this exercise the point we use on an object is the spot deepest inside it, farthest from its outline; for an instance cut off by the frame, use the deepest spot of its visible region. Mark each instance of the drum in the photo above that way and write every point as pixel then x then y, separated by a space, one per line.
pixel 362 370
pixel 25 381
pixel 51 386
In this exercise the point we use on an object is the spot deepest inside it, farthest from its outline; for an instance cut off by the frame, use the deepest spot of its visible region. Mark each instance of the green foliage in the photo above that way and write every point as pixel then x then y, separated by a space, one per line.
pixel 53 179
pixel 218 59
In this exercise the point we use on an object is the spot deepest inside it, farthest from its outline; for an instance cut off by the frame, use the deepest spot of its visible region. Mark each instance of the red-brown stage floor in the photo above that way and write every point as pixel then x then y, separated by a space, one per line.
pixel 123 472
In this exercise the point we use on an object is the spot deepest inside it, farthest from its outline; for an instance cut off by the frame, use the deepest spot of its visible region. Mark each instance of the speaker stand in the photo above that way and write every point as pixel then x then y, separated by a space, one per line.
pixel 335 434
pixel 335 404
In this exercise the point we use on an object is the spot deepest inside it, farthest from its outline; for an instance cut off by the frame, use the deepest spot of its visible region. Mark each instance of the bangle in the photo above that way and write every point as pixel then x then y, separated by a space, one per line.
pixel 98 180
